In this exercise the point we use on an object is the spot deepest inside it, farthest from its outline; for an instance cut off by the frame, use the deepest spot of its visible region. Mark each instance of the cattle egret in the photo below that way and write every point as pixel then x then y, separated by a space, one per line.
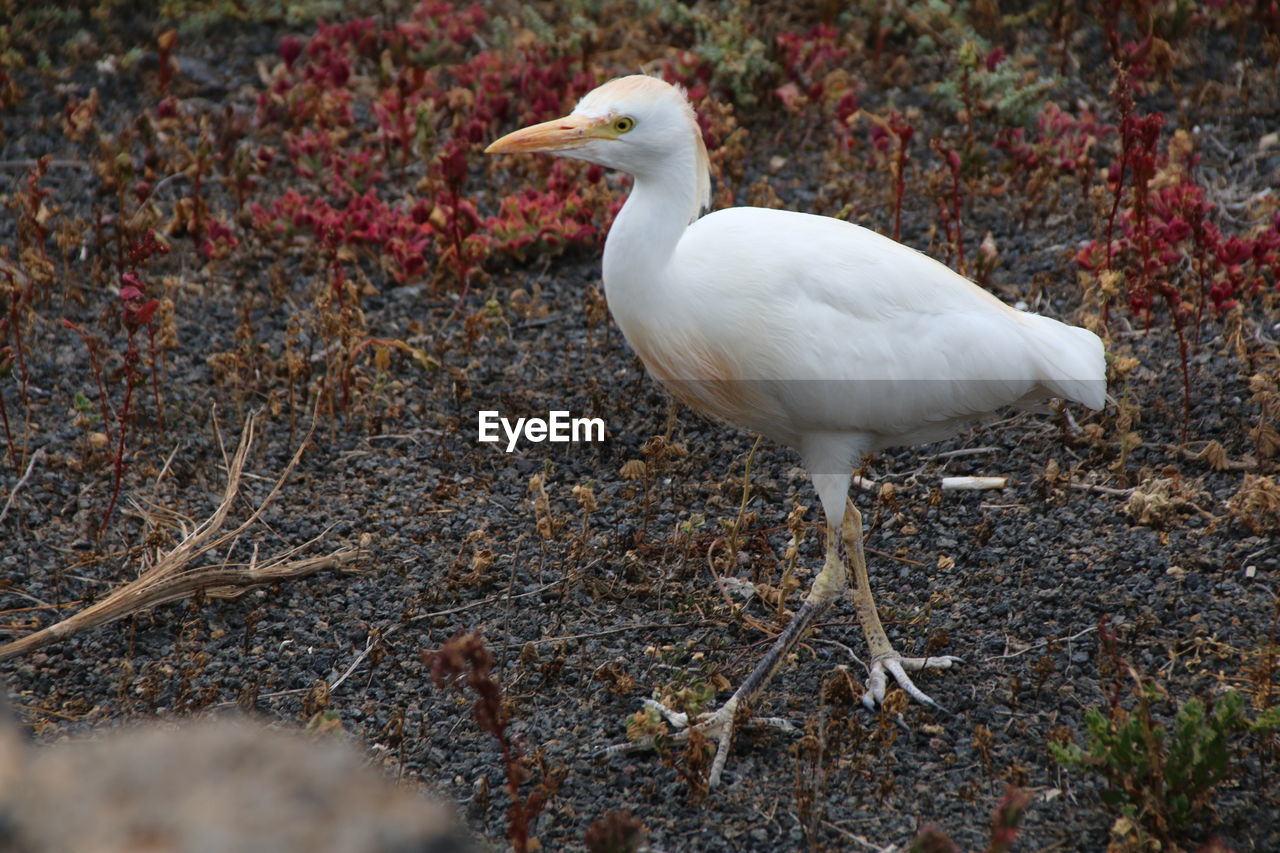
pixel 812 331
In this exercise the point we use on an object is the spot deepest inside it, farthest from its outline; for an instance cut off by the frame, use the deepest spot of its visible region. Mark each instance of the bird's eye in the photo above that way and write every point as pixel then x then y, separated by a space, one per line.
pixel 623 124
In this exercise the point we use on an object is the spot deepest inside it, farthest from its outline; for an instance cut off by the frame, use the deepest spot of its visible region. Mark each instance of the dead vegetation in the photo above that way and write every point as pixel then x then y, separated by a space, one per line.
pixel 173 575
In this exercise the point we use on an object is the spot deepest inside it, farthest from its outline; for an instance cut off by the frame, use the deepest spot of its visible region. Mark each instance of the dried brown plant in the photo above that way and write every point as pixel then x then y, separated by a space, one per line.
pixel 177 574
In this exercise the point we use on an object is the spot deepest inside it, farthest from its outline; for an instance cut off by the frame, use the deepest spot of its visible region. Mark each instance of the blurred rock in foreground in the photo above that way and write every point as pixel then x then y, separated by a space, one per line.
pixel 208 787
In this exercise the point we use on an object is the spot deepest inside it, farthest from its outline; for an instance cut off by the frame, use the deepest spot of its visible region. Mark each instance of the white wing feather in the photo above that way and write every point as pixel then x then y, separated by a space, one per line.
pixel 837 328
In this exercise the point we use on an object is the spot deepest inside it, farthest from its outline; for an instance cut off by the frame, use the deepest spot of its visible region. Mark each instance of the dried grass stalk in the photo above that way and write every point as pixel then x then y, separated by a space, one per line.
pixel 173 577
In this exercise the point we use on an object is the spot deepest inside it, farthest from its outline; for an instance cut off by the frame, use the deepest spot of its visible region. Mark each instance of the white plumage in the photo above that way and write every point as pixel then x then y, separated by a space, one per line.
pixel 815 332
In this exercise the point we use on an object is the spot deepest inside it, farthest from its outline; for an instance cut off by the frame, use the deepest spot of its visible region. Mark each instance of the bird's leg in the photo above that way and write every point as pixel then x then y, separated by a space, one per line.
pixel 883 656
pixel 719 725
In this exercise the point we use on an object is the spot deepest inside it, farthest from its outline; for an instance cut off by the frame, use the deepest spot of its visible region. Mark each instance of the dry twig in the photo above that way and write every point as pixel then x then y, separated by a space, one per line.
pixel 172 577
pixel 22 481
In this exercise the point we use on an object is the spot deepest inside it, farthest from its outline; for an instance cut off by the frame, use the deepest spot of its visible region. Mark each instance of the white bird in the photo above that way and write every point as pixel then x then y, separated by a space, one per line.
pixel 812 331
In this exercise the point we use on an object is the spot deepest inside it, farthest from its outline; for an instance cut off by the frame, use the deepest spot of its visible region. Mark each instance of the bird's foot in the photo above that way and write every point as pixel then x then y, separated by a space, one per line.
pixel 716 725
pixel 896 665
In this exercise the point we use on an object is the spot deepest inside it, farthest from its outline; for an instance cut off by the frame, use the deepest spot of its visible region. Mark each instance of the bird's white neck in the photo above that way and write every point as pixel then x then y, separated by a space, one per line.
pixel 646 232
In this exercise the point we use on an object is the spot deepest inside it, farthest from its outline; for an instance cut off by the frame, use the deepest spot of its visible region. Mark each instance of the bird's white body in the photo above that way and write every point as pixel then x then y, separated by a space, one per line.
pixel 815 332
pixel 818 333
pixel 790 324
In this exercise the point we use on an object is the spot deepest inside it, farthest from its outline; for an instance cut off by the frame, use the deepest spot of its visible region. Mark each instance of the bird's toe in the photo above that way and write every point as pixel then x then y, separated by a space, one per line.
pixel 717 726
pixel 678 719
pixel 876 683
pixel 898 666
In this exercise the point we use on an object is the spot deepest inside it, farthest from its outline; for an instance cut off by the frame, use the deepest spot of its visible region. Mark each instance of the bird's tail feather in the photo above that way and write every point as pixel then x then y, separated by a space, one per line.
pixel 1073 363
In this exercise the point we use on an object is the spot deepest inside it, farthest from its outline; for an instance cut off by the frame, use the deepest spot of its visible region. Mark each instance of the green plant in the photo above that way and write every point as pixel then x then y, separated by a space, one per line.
pixel 1160 778
pixel 727 42
pixel 987 82
pixel 199 16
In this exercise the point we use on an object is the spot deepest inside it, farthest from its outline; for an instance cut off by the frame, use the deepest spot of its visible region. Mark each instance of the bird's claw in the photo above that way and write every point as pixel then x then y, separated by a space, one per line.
pixel 896 665
pixel 716 725
pixel 679 719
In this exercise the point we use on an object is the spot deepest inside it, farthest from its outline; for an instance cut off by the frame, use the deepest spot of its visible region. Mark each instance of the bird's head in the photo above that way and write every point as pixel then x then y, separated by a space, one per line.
pixel 638 124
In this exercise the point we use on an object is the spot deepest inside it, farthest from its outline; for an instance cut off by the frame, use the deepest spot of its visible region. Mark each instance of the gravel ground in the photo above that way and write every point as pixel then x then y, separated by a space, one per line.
pixel 586 610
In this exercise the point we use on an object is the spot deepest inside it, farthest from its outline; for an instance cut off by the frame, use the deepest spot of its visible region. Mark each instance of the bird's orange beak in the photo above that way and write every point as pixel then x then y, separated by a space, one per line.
pixel 561 134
